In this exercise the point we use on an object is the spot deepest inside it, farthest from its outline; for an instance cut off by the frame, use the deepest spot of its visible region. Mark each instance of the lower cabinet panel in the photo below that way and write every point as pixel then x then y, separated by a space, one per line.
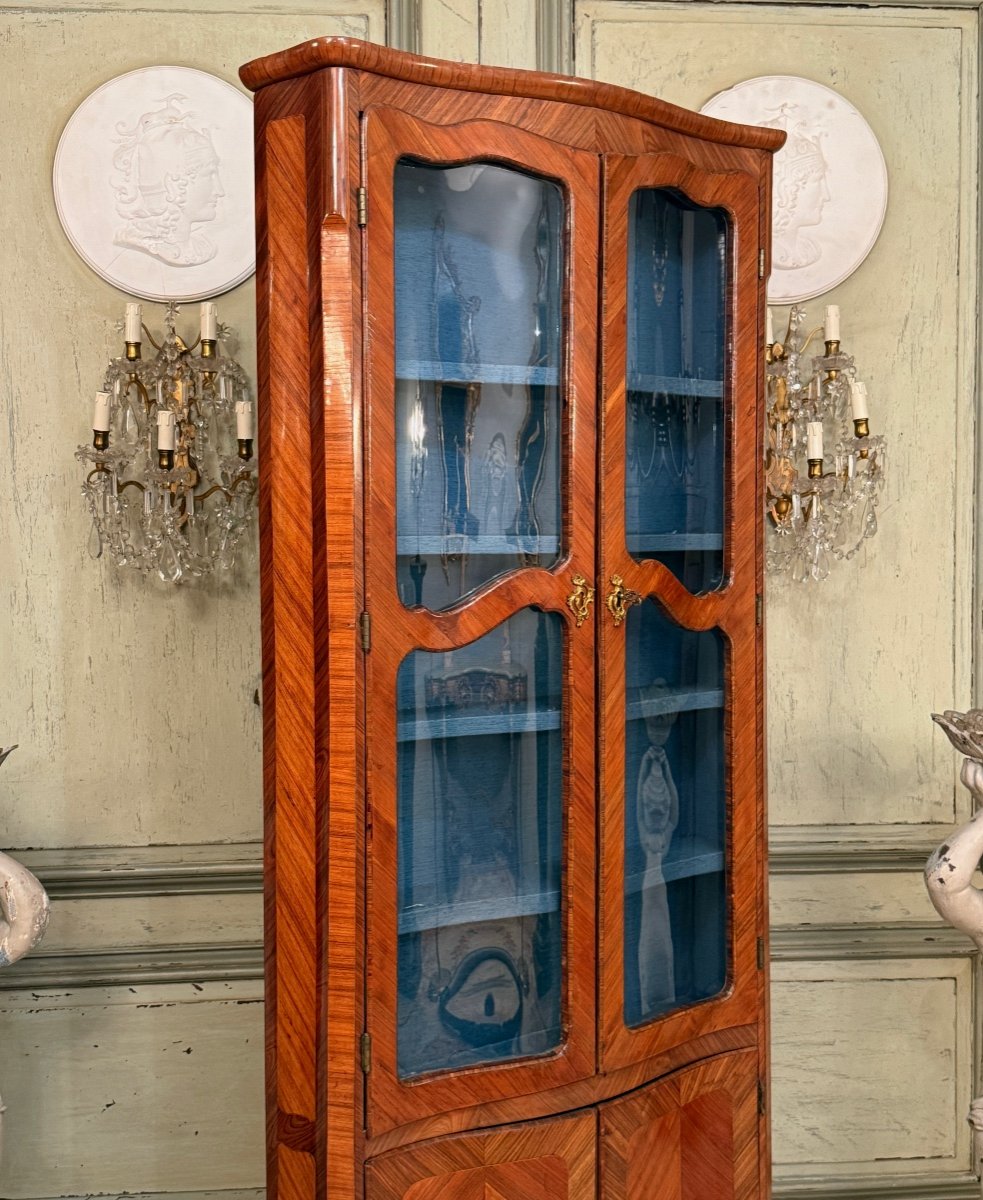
pixel 544 1160
pixel 693 1136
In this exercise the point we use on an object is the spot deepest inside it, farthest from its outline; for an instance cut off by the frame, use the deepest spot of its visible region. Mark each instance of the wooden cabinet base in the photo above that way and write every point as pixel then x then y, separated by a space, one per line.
pixel 544 1160
pixel 694 1136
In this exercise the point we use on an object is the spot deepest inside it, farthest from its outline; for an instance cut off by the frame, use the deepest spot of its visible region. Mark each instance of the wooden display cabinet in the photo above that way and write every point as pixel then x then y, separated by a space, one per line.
pixel 509 332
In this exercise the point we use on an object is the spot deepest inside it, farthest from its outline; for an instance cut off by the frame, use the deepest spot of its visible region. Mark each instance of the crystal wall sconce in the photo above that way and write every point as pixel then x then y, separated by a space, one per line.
pixel 171 484
pixel 821 502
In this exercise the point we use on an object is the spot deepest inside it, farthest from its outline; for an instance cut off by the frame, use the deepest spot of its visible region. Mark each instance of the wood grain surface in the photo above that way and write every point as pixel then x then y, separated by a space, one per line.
pixel 333 116
pixel 439 73
pixel 692 1136
pixel 540 1160
pixel 731 609
pixel 388 136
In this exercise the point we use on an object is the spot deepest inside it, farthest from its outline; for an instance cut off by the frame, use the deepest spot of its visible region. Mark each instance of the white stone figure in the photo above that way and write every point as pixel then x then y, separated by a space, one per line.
pixel 656 814
pixel 23 917
pixel 950 869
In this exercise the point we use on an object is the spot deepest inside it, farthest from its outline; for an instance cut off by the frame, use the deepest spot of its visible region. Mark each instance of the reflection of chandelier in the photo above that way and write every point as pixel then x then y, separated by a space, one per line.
pixel 171 487
pixel 821 505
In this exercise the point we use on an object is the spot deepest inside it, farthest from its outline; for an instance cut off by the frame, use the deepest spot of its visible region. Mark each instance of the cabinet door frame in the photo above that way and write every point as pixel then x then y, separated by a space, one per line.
pixel 389 135
pixel 731 608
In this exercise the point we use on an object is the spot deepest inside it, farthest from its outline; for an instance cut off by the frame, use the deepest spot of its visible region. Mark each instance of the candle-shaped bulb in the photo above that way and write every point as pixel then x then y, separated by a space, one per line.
pixel 209 321
pixel 134 322
pixel 166 422
pixel 814 440
pixel 244 420
pixel 769 329
pixel 858 400
pixel 100 413
pixel 832 323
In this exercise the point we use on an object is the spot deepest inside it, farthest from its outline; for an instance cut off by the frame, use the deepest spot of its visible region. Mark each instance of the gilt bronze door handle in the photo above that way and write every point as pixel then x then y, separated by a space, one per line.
pixel 620 599
pixel 580 599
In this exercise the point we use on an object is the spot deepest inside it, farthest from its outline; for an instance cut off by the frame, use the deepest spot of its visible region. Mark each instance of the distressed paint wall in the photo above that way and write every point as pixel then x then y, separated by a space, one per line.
pixel 873 1005
pixel 137 1032
pixel 153 951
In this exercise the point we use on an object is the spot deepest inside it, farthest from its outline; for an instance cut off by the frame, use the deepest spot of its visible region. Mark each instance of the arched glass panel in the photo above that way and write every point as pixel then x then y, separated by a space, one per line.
pixel 480 808
pixel 479 279
pixel 674 479
pixel 676 921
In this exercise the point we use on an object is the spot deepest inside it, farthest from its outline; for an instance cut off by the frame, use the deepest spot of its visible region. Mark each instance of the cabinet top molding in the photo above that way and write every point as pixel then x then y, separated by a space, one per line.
pixel 502 81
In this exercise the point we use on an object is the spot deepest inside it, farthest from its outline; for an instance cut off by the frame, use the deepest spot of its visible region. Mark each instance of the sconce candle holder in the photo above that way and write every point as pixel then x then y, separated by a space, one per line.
pixel 821 506
pixel 171 484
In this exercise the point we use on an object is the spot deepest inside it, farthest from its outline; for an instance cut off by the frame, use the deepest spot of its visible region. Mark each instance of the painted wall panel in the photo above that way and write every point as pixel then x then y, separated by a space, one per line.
pixel 851 899
pixel 872 1067
pixel 133 705
pixel 104 926
pixel 132 1089
pixel 849 736
pixel 497 32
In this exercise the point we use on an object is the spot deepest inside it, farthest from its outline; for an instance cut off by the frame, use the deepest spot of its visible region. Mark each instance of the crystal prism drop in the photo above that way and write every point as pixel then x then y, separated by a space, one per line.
pixel 95 542
pixel 168 564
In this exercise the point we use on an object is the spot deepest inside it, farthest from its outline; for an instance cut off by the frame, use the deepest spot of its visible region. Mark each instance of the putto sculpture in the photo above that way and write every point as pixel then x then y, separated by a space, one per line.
pixel 950 869
pixel 23 915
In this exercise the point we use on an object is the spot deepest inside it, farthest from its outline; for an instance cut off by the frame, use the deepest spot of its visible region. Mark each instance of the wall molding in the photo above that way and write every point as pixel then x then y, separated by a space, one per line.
pixel 131 966
pixel 101 873
pixel 828 849
pixel 223 1194
pixel 894 1187
pixel 554 36
pixel 838 942
pixel 404 25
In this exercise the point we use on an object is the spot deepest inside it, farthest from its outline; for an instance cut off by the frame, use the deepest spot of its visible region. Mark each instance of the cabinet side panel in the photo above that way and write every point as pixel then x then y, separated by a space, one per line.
pixel 288 641
pixel 339 713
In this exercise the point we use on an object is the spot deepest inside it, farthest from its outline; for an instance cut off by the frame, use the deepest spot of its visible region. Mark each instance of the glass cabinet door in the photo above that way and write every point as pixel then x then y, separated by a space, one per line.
pixel 677 634
pixel 480 417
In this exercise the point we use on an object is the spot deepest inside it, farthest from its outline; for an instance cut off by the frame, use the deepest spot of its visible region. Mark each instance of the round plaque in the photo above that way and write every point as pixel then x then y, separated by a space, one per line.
pixel 153 182
pixel 830 181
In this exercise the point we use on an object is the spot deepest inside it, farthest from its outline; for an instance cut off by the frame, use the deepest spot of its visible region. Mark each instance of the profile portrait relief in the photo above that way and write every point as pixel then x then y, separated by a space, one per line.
pixel 153 182
pixel 829 190
pixel 167 185
pixel 800 193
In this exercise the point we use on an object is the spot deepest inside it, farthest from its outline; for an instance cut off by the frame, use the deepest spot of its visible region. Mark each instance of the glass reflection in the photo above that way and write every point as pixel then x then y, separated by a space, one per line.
pixel 478 275
pixel 480 845
pixel 675 894
pixel 674 496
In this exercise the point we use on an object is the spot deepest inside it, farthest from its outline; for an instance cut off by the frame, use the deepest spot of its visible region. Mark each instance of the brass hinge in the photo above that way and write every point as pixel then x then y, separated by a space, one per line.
pixel 762 1105
pixel 759 607
pixel 365 626
pixel 365 1048
pixel 761 954
pixel 761 261
pixel 362 204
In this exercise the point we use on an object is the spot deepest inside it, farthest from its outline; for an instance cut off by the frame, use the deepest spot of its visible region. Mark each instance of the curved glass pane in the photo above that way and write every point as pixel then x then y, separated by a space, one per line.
pixel 480 810
pixel 674 493
pixel 675 816
pixel 479 275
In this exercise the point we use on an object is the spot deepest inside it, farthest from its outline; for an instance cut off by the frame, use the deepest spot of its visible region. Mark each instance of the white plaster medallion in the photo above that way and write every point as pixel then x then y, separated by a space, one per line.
pixel 830 181
pixel 153 182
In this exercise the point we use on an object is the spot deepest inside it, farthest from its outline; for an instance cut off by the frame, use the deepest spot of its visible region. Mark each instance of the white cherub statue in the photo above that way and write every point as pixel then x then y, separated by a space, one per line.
pixel 23 916
pixel 949 871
